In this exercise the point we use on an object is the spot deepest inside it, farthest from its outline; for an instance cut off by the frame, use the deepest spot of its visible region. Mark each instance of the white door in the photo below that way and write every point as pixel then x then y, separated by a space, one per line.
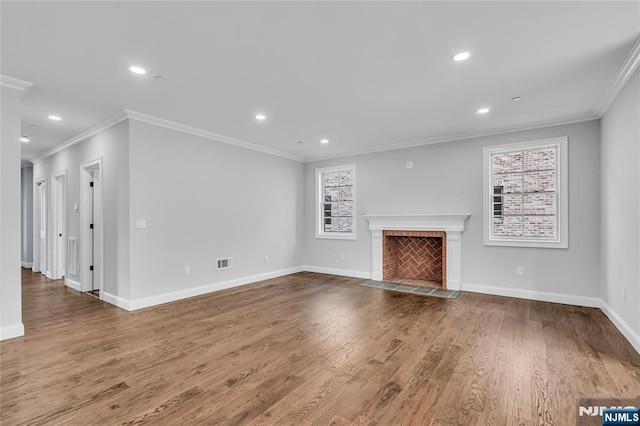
pixel 59 207
pixel 91 229
pixel 92 233
pixel 42 188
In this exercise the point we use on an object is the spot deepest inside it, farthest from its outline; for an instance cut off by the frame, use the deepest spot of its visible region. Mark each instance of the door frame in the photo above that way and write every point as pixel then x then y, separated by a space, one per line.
pixel 38 256
pixel 58 224
pixel 86 170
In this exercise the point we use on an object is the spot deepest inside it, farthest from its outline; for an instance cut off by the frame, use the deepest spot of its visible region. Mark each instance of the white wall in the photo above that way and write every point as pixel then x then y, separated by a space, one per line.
pixel 10 285
pixel 112 145
pixel 620 153
pixel 203 200
pixel 26 206
pixel 447 178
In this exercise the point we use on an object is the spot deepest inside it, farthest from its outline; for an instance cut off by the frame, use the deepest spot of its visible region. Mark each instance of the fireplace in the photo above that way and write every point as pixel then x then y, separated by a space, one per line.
pixel 394 233
pixel 414 257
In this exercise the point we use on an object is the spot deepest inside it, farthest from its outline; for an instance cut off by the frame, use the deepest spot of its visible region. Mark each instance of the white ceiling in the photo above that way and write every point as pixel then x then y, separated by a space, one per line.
pixel 365 75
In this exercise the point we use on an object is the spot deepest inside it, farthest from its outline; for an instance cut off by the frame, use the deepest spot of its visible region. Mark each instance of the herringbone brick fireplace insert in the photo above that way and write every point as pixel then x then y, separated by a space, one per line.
pixel 414 257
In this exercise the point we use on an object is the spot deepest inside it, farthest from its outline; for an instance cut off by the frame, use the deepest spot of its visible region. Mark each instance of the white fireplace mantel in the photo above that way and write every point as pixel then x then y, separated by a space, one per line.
pixel 452 224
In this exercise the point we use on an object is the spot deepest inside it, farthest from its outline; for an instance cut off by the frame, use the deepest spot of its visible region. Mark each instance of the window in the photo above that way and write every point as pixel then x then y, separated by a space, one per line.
pixel 336 202
pixel 525 193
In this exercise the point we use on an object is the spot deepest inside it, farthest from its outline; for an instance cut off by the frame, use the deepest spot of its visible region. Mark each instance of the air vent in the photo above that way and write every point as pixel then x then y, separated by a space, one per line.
pixel 226 263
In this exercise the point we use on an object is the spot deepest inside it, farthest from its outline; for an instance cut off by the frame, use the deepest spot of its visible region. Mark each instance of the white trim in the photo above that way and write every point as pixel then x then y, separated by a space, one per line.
pixel 85 247
pixel 121 116
pixel 145 302
pixel 621 325
pixel 73 284
pixel 58 201
pixel 319 225
pixel 562 189
pixel 149 119
pixel 37 218
pixel 542 296
pixel 461 137
pixel 336 271
pixel 626 71
pixel 116 300
pixel 417 222
pixel 27 265
pixel 11 331
pixel 14 83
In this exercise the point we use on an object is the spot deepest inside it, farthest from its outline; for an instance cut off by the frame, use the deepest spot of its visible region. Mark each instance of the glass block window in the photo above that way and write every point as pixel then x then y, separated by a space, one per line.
pixel 336 204
pixel 525 191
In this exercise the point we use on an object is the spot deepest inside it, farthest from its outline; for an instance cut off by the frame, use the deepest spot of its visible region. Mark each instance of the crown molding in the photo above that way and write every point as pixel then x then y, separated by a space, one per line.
pixel 625 73
pixel 121 116
pixel 149 119
pixel 464 136
pixel 14 83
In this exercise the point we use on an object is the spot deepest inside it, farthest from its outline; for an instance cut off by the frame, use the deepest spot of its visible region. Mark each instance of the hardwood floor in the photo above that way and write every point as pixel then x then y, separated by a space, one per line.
pixel 308 349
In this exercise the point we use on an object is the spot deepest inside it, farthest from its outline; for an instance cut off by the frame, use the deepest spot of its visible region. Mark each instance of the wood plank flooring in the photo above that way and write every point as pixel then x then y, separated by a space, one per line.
pixel 308 349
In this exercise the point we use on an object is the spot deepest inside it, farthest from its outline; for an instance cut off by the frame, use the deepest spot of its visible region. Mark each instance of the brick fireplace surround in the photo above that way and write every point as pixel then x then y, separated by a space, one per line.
pixel 447 227
pixel 415 257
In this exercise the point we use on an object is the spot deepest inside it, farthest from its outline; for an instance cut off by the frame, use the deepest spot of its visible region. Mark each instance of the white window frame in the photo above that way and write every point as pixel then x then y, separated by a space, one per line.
pixel 562 187
pixel 320 233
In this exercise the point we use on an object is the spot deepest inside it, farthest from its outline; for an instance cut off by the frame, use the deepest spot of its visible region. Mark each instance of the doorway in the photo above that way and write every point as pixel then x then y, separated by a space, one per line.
pixel 40 226
pixel 59 224
pixel 91 262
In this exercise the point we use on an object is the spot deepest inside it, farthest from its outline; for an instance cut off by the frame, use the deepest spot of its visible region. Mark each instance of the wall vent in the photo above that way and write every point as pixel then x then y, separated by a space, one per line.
pixel 226 263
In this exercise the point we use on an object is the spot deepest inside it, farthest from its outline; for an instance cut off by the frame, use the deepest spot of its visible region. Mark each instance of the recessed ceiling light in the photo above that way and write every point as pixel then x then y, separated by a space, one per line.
pixel 55 118
pixel 462 56
pixel 137 70
pixel 24 139
pixel 33 126
pixel 324 141
pixel 261 117
pixel 300 141
pixel 160 78
pixel 483 110
pixel 516 99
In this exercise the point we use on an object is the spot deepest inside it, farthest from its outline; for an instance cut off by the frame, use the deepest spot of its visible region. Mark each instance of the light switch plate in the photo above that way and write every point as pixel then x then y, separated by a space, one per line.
pixel 141 223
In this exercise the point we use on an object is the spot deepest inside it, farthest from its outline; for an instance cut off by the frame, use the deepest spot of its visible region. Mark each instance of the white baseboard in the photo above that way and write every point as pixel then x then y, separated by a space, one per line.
pixel 542 296
pixel 116 300
pixel 11 331
pixel 73 284
pixel 27 265
pixel 621 325
pixel 335 271
pixel 132 305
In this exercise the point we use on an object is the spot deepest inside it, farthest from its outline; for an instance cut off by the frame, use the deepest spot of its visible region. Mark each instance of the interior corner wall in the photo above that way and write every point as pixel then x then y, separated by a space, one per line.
pixel 26 206
pixel 203 200
pixel 446 178
pixel 620 155
pixel 10 281
pixel 112 145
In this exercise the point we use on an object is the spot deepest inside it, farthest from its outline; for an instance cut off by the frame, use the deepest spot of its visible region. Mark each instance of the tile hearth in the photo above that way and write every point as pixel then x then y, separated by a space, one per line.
pixel 413 289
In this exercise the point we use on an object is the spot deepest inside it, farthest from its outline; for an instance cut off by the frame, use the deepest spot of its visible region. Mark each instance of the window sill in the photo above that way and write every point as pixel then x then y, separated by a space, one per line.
pixel 337 237
pixel 527 243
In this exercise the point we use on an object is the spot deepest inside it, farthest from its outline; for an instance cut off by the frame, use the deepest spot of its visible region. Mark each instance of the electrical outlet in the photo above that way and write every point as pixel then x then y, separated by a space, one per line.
pixel 519 271
pixel 343 256
pixel 266 259
pixel 187 270
pixel 409 164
